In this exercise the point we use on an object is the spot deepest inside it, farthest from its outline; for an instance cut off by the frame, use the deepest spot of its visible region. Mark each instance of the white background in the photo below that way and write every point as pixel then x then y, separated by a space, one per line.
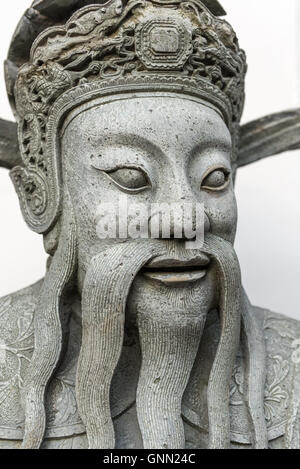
pixel 268 192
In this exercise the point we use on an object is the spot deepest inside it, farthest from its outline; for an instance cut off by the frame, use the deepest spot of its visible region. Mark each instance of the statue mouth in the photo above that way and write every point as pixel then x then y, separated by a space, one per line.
pixel 174 272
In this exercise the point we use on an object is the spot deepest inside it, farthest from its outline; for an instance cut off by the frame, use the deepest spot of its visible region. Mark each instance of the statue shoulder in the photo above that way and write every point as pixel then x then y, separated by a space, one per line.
pixel 16 313
pixel 278 329
pixel 282 392
pixel 16 348
pixel 24 296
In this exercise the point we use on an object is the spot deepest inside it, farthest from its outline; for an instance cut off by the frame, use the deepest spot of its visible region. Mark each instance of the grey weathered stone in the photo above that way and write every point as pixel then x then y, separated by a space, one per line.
pixel 269 136
pixel 9 148
pixel 138 342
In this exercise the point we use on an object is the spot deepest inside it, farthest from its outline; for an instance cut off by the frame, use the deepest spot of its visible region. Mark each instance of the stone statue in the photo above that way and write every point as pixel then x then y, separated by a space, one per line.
pixel 138 343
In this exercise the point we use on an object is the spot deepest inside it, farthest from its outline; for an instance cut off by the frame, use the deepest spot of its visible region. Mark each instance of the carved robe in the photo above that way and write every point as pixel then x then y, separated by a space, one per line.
pixel 281 358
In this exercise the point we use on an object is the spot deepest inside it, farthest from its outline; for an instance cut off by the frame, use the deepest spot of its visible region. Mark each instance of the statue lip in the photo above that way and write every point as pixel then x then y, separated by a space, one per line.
pixel 177 272
pixel 175 278
pixel 168 262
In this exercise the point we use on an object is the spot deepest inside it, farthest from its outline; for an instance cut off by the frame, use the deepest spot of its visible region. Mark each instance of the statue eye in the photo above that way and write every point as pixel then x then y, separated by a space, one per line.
pixel 130 179
pixel 216 180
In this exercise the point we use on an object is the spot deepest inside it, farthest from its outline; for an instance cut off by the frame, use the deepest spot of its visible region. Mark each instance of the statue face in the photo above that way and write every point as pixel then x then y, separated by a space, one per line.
pixel 153 149
pixel 158 149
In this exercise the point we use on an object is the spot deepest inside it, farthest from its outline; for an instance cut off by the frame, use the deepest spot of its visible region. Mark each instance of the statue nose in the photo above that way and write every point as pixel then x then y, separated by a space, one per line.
pixel 190 216
pixel 186 214
pixel 183 219
pixel 191 208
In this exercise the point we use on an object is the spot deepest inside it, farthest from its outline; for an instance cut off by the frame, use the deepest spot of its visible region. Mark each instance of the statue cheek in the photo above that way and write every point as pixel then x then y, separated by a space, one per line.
pixel 222 215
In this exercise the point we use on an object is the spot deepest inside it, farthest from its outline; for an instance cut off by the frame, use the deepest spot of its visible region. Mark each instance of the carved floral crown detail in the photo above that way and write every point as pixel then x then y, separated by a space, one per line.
pixel 135 41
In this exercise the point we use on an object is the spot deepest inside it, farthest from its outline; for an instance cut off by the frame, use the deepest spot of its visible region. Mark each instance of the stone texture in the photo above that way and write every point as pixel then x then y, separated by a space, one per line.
pixel 136 342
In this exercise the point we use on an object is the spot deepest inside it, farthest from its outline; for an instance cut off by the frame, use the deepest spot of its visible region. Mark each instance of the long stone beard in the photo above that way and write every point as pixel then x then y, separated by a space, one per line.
pixel 169 337
pixel 173 344
pixel 104 295
pixel 50 324
pixel 168 347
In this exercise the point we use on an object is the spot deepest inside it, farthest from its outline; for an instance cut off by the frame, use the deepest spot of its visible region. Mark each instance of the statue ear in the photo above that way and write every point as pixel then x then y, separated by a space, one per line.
pixel 31 188
pixel 36 181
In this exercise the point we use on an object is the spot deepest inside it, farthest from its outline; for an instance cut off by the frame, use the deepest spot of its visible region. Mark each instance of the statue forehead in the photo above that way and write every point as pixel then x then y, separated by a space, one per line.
pixel 135 113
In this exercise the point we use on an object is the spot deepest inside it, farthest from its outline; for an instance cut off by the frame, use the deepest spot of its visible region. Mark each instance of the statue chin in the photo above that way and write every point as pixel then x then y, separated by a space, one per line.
pixel 173 295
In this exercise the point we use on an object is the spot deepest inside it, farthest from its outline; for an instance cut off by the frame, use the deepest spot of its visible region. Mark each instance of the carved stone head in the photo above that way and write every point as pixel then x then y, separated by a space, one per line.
pixel 143 98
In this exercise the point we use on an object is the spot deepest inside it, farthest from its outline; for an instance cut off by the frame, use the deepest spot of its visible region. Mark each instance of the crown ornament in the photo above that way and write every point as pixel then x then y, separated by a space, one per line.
pixel 116 47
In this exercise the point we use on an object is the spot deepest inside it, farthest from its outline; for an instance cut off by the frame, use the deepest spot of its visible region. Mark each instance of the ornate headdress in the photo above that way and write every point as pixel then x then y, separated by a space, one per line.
pixel 116 47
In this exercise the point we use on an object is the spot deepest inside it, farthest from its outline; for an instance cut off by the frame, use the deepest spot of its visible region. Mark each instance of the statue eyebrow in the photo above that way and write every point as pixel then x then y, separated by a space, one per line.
pixel 217 144
pixel 136 142
pixel 109 168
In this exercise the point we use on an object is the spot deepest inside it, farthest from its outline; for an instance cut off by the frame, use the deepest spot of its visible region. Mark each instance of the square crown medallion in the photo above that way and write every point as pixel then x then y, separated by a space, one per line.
pixel 163 44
